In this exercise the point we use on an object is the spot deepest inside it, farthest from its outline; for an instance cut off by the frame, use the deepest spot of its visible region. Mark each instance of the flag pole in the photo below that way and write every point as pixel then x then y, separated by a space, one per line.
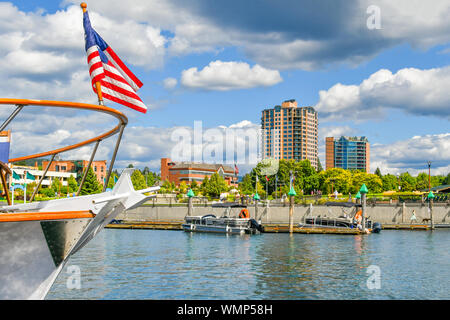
pixel 98 86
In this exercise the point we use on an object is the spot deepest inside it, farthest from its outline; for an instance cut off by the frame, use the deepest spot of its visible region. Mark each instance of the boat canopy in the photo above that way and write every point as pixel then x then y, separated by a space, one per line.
pixel 228 205
pixel 343 204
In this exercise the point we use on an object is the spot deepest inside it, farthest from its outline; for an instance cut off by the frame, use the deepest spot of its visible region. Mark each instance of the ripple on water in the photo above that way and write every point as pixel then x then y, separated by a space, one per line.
pixel 142 264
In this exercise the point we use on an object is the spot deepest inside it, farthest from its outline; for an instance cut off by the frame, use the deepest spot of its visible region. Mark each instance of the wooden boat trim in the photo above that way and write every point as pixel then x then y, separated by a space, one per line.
pixel 123 120
pixel 39 216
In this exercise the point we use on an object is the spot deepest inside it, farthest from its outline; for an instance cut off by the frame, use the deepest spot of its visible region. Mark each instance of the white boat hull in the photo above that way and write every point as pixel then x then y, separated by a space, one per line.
pixel 33 253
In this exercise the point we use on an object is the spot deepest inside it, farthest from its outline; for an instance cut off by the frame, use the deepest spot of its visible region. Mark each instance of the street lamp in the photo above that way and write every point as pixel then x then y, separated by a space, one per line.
pixel 429 176
pixel 363 192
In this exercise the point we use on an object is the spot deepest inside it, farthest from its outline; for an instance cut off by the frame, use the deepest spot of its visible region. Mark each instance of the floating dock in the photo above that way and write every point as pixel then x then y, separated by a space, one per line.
pixel 153 225
pixel 284 228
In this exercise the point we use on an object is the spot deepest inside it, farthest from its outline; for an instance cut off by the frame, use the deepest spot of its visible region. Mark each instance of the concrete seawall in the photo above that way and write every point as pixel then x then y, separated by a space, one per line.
pixel 383 213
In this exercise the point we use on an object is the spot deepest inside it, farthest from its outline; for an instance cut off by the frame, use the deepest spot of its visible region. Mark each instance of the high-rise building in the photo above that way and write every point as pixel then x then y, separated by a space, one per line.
pixel 290 132
pixel 351 153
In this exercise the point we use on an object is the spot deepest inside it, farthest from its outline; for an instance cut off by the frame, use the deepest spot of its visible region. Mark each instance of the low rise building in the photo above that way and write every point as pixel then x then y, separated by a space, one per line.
pixel 34 171
pixel 178 172
pixel 78 166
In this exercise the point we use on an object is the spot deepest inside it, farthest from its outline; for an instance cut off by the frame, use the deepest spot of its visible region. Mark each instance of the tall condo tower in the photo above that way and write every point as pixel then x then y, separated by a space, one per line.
pixel 351 153
pixel 290 132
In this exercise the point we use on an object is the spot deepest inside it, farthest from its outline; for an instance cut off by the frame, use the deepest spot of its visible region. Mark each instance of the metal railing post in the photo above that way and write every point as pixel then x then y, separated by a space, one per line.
pixel 87 168
pixel 11 117
pixel 122 127
pixel 42 178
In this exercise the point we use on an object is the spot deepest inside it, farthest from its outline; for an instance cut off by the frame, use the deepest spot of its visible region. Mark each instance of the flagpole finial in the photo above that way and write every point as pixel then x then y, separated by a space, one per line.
pixel 83 6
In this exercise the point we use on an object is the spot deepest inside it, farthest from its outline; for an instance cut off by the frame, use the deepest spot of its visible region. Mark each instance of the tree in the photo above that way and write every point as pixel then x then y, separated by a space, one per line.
pixel 372 181
pixel 422 181
pixel 56 185
pixel 138 180
pixel 91 184
pixel 446 180
pixel 390 182
pixel 378 172
pixel 246 186
pixel 194 185
pixel 335 179
pixel 407 182
pixel 72 184
pixel 183 187
pixel 319 166
pixel 114 177
pixel 204 186
pixel 216 185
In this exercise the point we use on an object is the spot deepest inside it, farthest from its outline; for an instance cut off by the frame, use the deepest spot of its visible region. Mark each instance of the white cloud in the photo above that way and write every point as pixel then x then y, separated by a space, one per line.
pixel 412 155
pixel 170 83
pixel 222 76
pixel 415 91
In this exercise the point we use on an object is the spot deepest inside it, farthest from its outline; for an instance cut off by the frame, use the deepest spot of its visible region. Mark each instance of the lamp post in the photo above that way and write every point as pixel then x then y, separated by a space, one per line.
pixel 430 206
pixel 292 195
pixel 358 197
pixel 363 192
pixel 190 195
pixel 429 176
pixel 256 197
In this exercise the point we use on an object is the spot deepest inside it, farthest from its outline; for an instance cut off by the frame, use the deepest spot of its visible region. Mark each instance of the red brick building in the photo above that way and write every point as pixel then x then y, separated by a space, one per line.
pixel 99 167
pixel 194 171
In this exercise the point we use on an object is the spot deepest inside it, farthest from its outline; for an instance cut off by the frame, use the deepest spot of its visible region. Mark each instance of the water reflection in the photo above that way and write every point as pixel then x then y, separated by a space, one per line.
pixel 141 264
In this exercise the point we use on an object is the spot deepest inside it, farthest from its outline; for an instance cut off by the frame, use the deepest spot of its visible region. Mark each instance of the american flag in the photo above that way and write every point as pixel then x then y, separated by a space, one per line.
pixel 117 82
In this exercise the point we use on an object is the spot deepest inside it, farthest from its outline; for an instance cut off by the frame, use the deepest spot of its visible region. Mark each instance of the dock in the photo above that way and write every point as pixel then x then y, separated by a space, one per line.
pixel 268 227
pixel 284 228
pixel 153 225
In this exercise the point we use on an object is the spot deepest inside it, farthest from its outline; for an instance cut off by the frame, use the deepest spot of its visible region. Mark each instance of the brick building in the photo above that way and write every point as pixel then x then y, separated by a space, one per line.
pixel 193 171
pixel 77 166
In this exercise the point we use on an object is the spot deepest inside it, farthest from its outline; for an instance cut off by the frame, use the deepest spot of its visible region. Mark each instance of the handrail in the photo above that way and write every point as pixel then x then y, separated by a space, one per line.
pixel 123 121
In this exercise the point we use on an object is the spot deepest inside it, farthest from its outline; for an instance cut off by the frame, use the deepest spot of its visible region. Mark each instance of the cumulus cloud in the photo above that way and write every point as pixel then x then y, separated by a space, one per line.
pixel 223 76
pixel 42 54
pixel 309 35
pixel 170 83
pixel 412 155
pixel 415 91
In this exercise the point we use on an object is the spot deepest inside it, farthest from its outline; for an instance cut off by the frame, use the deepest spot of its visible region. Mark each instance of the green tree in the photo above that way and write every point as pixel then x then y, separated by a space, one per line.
pixel 204 186
pixel 319 166
pixel 194 185
pixel 378 172
pixel 114 177
pixel 422 181
pixel 183 187
pixel 72 184
pixel 390 182
pixel 335 179
pixel 56 185
pixel 447 179
pixel 167 187
pixel 91 184
pixel 216 185
pixel 138 180
pixel 246 186
pixel 372 181
pixel 407 182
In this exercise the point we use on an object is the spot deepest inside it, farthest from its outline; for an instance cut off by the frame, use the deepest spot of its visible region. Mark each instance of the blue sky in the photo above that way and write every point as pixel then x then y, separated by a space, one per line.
pixel 388 84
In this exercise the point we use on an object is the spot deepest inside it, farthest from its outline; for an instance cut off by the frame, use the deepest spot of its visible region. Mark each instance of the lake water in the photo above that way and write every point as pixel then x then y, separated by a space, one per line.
pixel 153 264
